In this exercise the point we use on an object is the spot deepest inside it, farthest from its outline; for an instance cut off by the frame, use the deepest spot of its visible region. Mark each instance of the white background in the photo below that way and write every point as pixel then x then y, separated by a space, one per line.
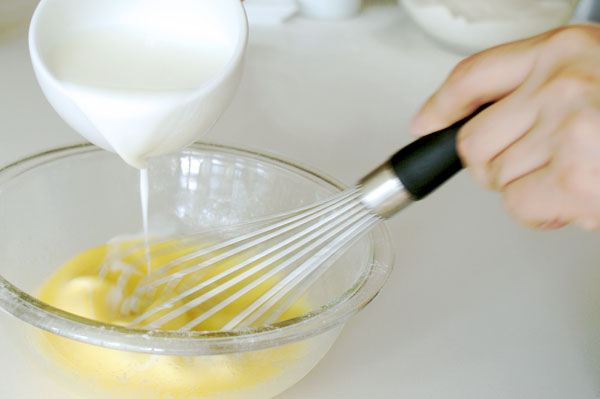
pixel 477 306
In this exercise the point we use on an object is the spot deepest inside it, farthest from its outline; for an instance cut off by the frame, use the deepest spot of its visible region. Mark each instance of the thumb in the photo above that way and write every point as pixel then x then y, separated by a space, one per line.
pixel 479 79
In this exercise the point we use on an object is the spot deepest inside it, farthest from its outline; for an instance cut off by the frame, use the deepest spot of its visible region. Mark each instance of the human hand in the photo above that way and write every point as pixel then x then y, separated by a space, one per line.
pixel 539 142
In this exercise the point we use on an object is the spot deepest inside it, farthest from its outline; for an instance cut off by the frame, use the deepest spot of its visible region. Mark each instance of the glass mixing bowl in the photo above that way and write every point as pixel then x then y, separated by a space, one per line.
pixel 59 203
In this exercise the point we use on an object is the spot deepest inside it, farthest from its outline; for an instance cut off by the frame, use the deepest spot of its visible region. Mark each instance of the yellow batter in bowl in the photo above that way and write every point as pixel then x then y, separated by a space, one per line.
pixel 77 287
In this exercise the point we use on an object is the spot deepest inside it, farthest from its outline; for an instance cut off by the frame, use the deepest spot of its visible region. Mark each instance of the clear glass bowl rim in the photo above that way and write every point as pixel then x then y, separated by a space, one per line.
pixel 38 314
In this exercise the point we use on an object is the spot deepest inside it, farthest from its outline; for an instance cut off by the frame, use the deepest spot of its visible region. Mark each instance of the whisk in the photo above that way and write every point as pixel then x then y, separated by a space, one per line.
pixel 252 274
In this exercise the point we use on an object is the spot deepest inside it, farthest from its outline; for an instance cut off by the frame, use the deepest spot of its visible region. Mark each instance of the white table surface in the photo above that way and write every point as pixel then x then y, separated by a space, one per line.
pixel 477 306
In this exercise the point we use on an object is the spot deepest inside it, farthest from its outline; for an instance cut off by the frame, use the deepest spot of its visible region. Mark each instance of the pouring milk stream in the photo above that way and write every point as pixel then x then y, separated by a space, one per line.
pixel 141 78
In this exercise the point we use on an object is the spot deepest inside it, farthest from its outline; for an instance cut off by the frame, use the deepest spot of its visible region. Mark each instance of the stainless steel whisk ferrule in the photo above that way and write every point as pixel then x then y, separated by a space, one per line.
pixel 382 192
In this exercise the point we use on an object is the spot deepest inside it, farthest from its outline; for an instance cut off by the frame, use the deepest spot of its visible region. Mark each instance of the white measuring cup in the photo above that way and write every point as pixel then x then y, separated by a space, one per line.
pixel 139 77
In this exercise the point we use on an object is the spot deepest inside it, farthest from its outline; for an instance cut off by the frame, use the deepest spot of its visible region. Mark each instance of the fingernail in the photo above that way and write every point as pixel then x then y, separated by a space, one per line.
pixel 417 125
pixel 551 225
pixel 491 180
pixel 423 124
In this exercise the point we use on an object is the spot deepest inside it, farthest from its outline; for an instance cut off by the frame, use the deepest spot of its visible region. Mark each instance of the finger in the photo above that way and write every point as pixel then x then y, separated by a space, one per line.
pixel 528 153
pixel 536 201
pixel 496 72
pixel 579 182
pixel 578 165
pixel 492 131
pixel 564 189
pixel 477 80
pixel 588 224
pixel 533 148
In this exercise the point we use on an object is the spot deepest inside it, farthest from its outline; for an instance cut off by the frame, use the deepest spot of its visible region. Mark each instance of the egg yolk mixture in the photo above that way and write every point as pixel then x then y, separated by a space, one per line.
pixel 80 288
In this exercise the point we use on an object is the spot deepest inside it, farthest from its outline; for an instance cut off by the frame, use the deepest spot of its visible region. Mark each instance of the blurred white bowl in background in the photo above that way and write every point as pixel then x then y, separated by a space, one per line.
pixel 468 26
pixel 269 12
pixel 329 9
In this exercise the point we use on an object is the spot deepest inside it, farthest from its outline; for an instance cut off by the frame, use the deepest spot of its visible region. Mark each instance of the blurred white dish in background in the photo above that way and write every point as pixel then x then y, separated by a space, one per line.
pixel 329 9
pixel 269 12
pixel 469 26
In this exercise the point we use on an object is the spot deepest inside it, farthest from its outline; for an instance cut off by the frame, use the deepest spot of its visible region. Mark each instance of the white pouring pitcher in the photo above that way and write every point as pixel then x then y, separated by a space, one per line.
pixel 139 77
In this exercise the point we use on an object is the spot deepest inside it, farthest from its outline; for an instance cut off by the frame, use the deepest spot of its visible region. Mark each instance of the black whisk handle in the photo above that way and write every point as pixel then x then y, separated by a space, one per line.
pixel 426 163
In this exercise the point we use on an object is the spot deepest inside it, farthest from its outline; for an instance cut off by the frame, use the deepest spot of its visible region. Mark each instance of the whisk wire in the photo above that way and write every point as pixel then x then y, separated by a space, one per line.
pixel 319 260
pixel 324 236
pixel 275 229
pixel 289 245
pixel 307 279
